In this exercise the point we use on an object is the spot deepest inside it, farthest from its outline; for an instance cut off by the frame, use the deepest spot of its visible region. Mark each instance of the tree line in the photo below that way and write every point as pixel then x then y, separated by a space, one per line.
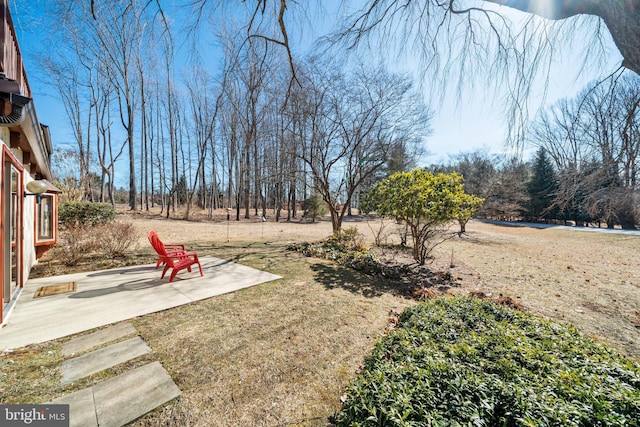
pixel 241 137
pixel 267 129
pixel 587 166
pixel 585 170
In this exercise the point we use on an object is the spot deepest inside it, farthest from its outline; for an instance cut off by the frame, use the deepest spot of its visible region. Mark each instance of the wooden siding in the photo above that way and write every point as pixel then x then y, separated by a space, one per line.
pixel 10 57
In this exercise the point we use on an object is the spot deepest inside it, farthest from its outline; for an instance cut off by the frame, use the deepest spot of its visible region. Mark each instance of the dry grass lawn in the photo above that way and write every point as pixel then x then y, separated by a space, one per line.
pixel 282 353
pixel 586 278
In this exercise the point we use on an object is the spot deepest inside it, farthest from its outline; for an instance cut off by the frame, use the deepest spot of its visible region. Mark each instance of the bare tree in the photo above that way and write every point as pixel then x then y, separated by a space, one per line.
pixel 107 40
pixel 101 91
pixel 265 124
pixel 203 115
pixel 70 82
pixel 456 41
pixel 508 199
pixel 434 26
pixel 354 122
pixel 479 169
pixel 118 35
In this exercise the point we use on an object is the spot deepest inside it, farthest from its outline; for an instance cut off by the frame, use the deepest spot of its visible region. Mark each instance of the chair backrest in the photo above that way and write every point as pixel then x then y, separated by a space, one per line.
pixel 157 244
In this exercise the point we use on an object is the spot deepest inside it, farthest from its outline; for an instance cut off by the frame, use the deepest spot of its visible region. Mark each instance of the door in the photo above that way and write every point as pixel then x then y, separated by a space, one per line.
pixel 16 215
pixel 12 230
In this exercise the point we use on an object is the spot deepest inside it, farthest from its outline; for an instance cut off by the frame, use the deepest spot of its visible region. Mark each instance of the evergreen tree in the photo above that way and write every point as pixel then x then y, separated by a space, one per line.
pixel 542 188
pixel 182 190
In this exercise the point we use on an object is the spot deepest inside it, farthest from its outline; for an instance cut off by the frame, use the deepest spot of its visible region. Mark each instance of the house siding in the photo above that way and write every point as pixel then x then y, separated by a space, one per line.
pixel 26 148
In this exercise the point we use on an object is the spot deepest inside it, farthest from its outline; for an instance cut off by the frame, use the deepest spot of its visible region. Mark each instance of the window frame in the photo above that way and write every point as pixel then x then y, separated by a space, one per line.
pixel 51 220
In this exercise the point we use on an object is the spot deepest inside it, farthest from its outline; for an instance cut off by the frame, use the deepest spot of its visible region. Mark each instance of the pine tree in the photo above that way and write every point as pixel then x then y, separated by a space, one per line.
pixel 542 188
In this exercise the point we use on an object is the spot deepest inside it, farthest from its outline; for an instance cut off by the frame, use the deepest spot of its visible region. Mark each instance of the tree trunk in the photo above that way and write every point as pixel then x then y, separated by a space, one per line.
pixel 336 220
pixel 132 160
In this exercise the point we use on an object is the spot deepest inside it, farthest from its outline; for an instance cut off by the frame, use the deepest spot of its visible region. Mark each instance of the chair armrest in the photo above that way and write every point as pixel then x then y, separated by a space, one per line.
pixel 189 255
pixel 176 253
pixel 174 246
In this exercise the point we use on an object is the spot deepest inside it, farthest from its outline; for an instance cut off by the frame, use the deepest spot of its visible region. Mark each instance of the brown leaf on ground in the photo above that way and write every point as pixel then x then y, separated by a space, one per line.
pixel 424 293
pixel 393 321
pixel 502 300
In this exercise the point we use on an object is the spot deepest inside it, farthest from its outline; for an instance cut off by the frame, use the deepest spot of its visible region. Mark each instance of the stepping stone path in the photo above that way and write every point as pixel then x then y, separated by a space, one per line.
pixel 119 400
pixel 101 359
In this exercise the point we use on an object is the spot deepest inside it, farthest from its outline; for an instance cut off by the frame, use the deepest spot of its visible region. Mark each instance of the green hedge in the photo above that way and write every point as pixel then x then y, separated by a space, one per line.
pixel 468 362
pixel 85 213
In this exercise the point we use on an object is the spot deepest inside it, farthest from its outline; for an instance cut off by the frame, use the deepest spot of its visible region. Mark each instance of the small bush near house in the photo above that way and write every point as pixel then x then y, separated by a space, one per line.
pixel 464 361
pixel 85 213
pixel 88 228
pixel 111 240
pixel 114 238
pixel 74 243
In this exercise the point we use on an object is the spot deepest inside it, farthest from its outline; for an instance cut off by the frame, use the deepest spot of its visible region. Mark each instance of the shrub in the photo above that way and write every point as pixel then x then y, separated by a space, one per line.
pixel 114 238
pixel 426 203
pixel 346 248
pixel 464 361
pixel 314 207
pixel 340 245
pixel 75 242
pixel 85 213
pixel 111 240
pixel 364 262
pixel 346 240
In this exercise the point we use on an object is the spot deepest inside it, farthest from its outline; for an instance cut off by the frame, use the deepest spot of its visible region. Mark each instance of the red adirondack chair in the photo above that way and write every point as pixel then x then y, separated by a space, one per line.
pixel 166 249
pixel 177 259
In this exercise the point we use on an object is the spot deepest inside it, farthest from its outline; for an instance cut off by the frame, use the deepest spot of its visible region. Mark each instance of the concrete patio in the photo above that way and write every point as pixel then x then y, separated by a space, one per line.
pixel 105 297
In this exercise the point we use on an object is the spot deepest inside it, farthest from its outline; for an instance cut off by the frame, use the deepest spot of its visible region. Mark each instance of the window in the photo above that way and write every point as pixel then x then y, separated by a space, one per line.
pixel 13 204
pixel 44 218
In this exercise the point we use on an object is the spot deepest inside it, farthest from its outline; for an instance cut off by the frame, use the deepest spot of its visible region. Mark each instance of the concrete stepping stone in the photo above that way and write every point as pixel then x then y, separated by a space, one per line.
pixel 120 400
pixel 82 408
pixel 97 338
pixel 103 358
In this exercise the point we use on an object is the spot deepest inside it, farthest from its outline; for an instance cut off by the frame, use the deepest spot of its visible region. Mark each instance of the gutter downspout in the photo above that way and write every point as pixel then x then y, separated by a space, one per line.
pixel 10 92
pixel 18 112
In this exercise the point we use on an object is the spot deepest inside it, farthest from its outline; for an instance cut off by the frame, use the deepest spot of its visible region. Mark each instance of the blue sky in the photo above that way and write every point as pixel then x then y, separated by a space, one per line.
pixel 459 125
